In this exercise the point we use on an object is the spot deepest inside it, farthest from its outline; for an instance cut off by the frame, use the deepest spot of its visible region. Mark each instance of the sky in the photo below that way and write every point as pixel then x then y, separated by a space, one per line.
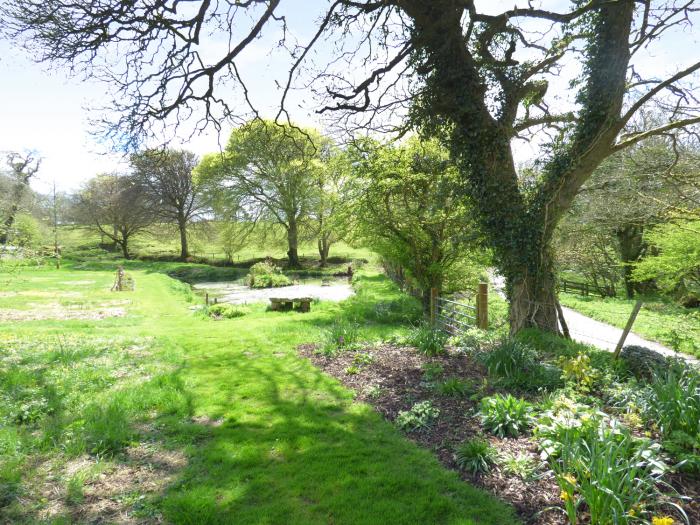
pixel 48 111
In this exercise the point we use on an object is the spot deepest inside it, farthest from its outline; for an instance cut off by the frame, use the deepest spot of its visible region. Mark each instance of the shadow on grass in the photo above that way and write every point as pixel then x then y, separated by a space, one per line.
pixel 290 447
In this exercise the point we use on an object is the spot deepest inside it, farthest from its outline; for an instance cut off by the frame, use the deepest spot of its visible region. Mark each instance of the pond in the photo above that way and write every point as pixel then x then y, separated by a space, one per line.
pixel 237 292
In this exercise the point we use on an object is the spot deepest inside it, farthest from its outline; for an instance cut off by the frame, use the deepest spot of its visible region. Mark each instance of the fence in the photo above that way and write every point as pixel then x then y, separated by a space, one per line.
pixel 585 288
pixel 454 315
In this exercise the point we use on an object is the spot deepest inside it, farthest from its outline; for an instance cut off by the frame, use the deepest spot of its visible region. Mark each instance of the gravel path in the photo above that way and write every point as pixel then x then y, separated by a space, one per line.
pixel 596 333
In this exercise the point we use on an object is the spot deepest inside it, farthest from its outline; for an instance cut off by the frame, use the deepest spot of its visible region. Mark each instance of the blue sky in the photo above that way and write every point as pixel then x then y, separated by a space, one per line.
pixel 44 110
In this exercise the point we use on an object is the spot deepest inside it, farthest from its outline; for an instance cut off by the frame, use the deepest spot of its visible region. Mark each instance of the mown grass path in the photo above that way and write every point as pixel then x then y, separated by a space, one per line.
pixel 266 437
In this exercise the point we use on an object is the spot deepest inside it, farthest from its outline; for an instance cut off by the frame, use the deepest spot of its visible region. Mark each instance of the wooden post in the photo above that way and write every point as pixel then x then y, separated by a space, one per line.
pixel 433 306
pixel 206 298
pixel 482 306
pixel 562 321
pixel 628 328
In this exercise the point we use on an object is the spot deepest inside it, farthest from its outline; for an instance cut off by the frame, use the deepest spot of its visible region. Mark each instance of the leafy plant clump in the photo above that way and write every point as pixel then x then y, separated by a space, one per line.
pixel 455 387
pixel 476 455
pixel 506 416
pixel 616 476
pixel 428 340
pixel 421 416
pixel 224 311
pixel 519 465
pixel 673 401
pixel 266 275
pixel 518 365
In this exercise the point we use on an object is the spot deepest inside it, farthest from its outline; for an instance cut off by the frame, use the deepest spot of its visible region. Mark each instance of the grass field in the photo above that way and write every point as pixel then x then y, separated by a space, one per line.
pixel 161 241
pixel 660 320
pixel 133 407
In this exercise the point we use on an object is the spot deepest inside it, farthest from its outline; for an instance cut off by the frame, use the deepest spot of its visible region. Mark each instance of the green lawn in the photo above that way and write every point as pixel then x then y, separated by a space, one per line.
pixel 163 413
pixel 162 241
pixel 658 320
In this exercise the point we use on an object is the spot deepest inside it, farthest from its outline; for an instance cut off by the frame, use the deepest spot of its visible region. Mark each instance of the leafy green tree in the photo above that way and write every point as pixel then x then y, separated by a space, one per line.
pixel 329 218
pixel 166 178
pixel 410 209
pixel 675 262
pixel 269 171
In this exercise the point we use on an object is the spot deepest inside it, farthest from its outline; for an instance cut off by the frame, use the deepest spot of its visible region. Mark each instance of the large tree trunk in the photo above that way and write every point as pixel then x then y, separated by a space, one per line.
pixel 182 226
pixel 533 299
pixel 293 244
pixel 518 223
pixel 631 244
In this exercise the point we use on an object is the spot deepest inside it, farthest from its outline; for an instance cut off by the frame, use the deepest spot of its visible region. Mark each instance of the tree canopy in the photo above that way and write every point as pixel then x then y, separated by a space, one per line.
pixel 270 172
pixel 411 211
pixel 478 78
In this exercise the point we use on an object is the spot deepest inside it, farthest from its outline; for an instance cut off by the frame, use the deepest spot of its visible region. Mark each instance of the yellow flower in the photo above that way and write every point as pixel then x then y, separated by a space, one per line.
pixel 565 496
pixel 570 478
pixel 662 520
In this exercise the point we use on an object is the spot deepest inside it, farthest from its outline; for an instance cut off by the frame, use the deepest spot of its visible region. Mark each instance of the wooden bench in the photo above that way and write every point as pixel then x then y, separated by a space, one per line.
pixel 280 304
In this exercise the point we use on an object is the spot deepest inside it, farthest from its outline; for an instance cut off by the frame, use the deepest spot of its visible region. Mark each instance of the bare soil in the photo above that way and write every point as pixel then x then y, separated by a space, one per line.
pixel 108 496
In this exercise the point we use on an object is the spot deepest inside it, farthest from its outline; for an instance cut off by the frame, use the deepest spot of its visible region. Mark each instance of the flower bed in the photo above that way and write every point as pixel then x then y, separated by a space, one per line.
pixel 504 434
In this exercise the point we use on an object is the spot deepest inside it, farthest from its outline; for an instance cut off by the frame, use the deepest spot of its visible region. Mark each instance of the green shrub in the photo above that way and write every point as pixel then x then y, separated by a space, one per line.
pixel 455 387
pixel 266 275
pixel 506 416
pixel 420 416
pixel 518 365
pixel 224 311
pixel 427 339
pixel 616 476
pixel 26 231
pixel 476 455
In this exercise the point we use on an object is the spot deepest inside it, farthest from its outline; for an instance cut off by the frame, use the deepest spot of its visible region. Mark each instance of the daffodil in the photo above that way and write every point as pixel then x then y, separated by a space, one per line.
pixel 565 496
pixel 662 520
pixel 569 478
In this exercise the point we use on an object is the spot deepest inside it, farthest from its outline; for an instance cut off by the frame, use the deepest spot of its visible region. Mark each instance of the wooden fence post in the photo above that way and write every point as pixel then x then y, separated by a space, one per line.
pixel 628 328
pixel 482 306
pixel 433 306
